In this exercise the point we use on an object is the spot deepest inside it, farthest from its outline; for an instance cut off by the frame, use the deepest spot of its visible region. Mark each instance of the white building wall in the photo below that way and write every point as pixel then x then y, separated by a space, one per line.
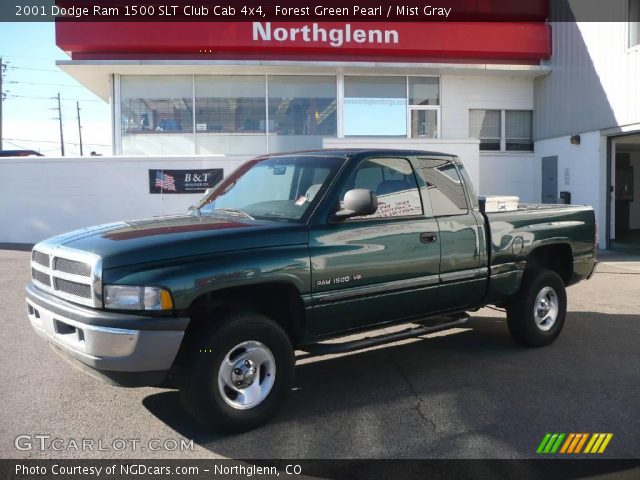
pixel 500 173
pixel 581 171
pixel 44 196
pixel 595 75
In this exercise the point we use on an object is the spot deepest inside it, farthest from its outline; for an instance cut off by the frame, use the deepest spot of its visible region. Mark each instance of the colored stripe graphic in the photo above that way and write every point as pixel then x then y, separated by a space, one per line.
pixel 572 443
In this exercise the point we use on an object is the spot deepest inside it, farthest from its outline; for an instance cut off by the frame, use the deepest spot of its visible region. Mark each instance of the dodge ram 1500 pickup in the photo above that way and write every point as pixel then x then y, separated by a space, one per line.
pixel 289 251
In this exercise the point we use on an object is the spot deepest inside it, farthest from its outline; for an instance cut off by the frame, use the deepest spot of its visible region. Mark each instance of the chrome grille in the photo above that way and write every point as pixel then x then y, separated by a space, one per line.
pixel 41 277
pixel 71 266
pixel 70 274
pixel 40 258
pixel 73 288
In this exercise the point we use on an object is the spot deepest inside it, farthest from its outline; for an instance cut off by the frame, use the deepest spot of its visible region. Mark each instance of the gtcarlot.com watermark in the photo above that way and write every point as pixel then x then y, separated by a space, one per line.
pixel 42 443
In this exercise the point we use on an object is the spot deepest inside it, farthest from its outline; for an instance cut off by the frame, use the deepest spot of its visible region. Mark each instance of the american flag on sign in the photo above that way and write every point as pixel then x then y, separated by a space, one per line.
pixel 165 181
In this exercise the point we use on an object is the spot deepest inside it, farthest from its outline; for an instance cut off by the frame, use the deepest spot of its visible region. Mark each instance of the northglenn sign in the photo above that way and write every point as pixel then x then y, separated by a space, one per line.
pixel 516 42
pixel 335 37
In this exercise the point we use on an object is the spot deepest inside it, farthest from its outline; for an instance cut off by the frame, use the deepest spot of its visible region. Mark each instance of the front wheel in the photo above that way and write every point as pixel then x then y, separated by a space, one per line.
pixel 238 373
pixel 537 316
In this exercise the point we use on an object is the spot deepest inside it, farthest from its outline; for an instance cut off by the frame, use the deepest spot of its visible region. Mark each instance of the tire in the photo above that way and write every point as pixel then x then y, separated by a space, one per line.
pixel 537 316
pixel 210 391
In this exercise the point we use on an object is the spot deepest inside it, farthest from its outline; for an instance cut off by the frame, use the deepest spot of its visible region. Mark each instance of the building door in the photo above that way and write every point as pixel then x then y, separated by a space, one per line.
pixel 550 179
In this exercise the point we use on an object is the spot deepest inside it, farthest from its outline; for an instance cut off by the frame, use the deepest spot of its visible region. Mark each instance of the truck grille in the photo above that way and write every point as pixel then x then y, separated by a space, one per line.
pixel 67 273
pixel 40 258
pixel 41 277
pixel 73 288
pixel 72 266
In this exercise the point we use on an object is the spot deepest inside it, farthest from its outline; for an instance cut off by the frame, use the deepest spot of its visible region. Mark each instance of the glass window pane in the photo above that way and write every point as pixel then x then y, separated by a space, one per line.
pixel 302 110
pixel 486 125
pixel 282 188
pixel 424 123
pixel 375 106
pixel 444 187
pixel 231 114
pixel 518 130
pixel 634 23
pixel 393 182
pixel 157 106
pixel 424 91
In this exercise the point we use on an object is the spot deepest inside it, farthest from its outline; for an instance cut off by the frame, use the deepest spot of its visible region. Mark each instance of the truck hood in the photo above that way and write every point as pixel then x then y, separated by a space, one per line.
pixel 169 237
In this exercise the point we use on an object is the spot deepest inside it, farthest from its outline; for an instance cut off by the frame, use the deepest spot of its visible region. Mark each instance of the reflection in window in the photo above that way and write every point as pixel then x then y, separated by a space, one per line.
pixel 154 104
pixel 375 106
pixel 424 90
pixel 233 104
pixel 302 110
pixel 393 182
pixel 486 125
pixel 424 123
pixel 230 114
pixel 444 187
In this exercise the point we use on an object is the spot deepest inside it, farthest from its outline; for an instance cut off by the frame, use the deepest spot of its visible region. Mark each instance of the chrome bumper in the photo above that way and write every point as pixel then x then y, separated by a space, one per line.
pixel 103 340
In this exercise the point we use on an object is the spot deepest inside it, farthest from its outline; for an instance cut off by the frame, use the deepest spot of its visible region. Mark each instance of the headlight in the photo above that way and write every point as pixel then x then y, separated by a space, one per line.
pixel 130 297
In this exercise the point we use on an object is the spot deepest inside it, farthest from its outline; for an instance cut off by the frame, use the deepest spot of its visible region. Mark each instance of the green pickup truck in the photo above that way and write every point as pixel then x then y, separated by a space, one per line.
pixel 292 250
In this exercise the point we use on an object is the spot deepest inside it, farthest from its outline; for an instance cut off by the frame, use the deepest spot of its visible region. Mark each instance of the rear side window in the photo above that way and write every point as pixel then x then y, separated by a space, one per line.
pixel 393 182
pixel 443 186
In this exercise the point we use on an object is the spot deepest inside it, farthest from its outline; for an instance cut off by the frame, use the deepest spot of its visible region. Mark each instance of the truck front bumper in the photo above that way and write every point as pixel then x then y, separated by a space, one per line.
pixel 123 349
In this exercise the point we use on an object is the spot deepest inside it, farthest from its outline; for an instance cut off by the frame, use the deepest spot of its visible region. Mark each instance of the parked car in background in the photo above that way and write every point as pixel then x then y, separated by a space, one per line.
pixel 20 153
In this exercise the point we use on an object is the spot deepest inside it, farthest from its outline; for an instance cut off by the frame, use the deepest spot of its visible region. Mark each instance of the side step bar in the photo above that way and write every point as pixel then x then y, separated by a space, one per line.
pixel 318 349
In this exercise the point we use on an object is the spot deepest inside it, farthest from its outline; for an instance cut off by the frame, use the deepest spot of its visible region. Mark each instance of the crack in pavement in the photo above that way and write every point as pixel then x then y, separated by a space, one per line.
pixel 419 401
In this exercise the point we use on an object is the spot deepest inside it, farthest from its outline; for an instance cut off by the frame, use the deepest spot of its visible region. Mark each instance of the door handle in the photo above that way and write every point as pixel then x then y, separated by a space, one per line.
pixel 428 237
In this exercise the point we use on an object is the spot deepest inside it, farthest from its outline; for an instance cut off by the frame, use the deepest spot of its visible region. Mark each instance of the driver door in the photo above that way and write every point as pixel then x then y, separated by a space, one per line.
pixel 378 268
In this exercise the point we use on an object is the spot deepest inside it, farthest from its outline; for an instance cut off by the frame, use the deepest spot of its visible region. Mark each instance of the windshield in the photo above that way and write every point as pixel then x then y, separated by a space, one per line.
pixel 280 188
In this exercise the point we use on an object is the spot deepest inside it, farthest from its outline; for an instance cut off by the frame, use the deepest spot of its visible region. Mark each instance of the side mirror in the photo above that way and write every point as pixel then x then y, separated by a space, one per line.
pixel 358 202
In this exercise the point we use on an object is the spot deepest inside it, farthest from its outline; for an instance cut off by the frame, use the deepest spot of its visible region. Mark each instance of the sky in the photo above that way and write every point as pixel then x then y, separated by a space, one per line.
pixel 30 83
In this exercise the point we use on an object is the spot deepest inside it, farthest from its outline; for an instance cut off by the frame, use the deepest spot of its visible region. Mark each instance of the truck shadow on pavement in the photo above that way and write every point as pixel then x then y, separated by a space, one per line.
pixel 470 394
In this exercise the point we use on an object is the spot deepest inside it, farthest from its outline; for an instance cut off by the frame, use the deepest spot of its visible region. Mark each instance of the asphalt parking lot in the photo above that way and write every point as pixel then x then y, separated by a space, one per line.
pixel 471 394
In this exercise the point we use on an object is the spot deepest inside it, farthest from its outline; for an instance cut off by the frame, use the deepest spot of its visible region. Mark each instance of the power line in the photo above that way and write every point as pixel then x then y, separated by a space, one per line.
pixel 20 82
pixel 11 67
pixel 13 95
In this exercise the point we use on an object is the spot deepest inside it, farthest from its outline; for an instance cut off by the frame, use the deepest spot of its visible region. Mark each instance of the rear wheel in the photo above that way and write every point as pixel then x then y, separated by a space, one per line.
pixel 537 316
pixel 238 373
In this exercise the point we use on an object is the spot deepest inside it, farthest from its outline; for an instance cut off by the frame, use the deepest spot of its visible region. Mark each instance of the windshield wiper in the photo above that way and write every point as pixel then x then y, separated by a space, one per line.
pixel 234 211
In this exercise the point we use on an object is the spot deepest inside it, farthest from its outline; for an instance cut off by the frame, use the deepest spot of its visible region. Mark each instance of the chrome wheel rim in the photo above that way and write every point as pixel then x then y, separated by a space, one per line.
pixel 546 308
pixel 246 375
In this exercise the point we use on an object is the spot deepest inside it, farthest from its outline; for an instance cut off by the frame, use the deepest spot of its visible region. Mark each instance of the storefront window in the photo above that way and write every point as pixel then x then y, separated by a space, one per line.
pixel 230 114
pixel 156 115
pixel 302 111
pixel 375 106
pixel 424 101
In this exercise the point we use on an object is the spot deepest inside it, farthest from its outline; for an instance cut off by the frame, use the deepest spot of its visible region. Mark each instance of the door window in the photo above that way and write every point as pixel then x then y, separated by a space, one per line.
pixel 393 182
pixel 444 187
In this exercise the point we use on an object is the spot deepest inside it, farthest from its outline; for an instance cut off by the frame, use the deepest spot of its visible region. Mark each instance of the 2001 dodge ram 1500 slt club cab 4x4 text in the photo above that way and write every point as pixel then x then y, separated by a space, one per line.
pixel 291 250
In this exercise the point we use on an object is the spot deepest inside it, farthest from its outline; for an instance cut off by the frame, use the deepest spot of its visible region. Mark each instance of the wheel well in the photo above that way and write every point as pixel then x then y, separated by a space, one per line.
pixel 558 258
pixel 279 301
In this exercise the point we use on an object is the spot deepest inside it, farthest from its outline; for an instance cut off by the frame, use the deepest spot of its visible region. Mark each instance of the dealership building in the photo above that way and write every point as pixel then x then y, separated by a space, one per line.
pixel 548 111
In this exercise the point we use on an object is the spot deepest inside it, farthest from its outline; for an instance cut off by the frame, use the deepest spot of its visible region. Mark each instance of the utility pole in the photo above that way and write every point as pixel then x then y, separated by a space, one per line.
pixel 60 119
pixel 79 127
